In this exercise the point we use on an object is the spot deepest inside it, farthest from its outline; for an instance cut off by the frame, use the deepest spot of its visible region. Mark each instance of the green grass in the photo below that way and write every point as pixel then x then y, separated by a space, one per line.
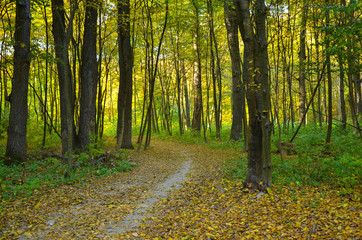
pixel 194 137
pixel 337 164
pixel 29 177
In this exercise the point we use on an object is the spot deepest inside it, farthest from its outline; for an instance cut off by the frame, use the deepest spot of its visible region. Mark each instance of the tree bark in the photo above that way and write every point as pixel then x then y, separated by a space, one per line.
pixel 186 93
pixel 215 71
pixel 341 93
pixel 45 107
pixel 255 75
pixel 196 120
pixel 124 124
pixel 302 58
pixel 329 78
pixel 61 40
pixel 351 98
pixel 89 76
pixel 16 144
pixel 152 70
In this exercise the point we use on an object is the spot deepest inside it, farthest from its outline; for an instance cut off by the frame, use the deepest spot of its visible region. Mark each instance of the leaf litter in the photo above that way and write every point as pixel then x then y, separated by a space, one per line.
pixel 202 205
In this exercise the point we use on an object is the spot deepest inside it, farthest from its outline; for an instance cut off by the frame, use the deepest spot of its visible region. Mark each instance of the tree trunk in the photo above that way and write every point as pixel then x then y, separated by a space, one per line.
pixel 124 125
pixel 177 64
pixel 215 71
pixel 329 78
pixel 89 76
pixel 196 120
pixel 319 101
pixel 302 58
pixel 16 144
pixel 152 69
pixel 357 83
pixel 352 103
pixel 238 98
pixel 255 75
pixel 186 93
pixel 61 40
pixel 341 93
pixel 45 108
pixel 178 83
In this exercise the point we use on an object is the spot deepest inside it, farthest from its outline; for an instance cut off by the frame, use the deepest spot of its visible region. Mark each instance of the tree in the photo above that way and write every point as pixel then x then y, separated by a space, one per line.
pixel 16 145
pixel 255 76
pixel 197 87
pixel 177 63
pixel 124 124
pixel 329 78
pixel 88 72
pixel 238 107
pixel 302 58
pixel 186 92
pixel 215 71
pixel 62 37
pixel 152 70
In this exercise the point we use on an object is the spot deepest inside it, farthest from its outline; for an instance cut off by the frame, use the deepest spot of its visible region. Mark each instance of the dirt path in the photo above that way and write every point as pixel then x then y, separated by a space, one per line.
pixel 160 191
pixel 109 207
pixel 177 192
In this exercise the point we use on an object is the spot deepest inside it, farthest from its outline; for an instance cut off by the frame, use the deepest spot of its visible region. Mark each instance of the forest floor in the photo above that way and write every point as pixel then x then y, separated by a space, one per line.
pixel 179 191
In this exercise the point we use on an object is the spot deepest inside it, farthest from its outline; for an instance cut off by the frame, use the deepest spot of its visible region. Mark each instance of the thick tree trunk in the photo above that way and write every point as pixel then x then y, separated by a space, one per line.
pixel 89 76
pixel 255 75
pixel 238 102
pixel 16 144
pixel 61 39
pixel 124 125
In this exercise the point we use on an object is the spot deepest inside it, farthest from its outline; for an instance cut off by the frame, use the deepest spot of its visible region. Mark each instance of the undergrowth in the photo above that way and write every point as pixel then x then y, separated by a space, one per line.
pixel 337 165
pixel 211 141
pixel 39 173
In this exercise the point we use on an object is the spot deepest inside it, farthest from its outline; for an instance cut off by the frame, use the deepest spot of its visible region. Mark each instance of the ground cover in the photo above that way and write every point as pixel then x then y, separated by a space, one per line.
pixel 190 190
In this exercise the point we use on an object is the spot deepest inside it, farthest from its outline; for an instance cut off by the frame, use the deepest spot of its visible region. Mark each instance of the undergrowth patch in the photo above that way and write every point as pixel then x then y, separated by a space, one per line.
pixel 39 173
pixel 337 165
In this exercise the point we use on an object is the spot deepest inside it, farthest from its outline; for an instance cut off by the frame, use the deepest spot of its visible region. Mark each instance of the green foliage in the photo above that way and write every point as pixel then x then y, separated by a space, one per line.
pixel 236 168
pixel 24 179
pixel 36 174
pixel 337 165
pixel 194 137
pixel 4 123
pixel 125 166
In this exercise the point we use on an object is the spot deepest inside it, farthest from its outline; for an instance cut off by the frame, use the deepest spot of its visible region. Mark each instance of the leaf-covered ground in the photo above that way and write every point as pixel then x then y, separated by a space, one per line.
pixel 206 206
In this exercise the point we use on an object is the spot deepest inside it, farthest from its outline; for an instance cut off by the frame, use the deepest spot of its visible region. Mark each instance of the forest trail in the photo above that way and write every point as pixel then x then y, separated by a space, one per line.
pixel 178 192
pixel 108 207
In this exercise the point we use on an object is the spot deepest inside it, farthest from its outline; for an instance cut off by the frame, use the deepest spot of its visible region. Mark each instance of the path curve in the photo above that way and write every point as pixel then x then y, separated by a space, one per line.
pixel 110 207
pixel 161 190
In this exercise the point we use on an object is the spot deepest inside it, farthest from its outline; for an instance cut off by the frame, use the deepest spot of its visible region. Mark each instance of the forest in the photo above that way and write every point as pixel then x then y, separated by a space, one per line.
pixel 153 119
